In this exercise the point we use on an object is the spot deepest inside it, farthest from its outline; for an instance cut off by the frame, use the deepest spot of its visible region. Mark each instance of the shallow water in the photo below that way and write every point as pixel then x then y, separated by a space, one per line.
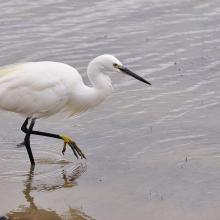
pixel 153 152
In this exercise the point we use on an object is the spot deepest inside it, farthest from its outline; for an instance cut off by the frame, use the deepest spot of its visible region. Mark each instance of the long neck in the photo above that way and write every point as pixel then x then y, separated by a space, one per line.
pixel 87 97
pixel 100 82
pixel 92 96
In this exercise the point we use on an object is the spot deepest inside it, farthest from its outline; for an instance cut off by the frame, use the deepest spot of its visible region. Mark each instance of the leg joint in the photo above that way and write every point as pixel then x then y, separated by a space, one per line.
pixel 24 125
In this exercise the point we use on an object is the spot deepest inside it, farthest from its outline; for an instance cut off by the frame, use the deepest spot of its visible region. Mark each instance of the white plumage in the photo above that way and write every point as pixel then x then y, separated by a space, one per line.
pixel 42 89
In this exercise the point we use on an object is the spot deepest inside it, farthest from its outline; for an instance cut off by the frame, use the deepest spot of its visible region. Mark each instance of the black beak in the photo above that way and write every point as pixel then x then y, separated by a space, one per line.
pixel 130 73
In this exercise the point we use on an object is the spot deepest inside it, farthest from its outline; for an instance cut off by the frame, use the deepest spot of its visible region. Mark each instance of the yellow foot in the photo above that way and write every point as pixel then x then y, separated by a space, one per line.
pixel 76 150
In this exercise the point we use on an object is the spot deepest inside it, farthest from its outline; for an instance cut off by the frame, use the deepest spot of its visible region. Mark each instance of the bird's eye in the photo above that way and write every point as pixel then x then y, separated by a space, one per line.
pixel 115 65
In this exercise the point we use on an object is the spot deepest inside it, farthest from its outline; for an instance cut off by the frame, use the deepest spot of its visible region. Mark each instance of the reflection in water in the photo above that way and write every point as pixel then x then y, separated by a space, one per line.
pixel 138 145
pixel 32 212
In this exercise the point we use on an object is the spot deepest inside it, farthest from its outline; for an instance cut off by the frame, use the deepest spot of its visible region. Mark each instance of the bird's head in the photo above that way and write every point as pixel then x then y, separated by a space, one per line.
pixel 112 64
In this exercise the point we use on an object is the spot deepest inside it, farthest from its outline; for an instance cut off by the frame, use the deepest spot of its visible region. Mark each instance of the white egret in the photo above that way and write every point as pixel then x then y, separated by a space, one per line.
pixel 41 89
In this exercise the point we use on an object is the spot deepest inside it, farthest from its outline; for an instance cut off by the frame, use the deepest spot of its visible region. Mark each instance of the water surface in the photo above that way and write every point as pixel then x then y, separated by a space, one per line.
pixel 153 152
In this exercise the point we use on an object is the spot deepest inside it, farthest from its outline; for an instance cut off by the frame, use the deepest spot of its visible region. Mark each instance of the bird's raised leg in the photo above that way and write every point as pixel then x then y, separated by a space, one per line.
pixel 76 150
pixel 27 139
pixel 67 140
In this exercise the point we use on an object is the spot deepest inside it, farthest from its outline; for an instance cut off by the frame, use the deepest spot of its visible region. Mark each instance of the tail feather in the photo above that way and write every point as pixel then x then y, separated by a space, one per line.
pixel 8 69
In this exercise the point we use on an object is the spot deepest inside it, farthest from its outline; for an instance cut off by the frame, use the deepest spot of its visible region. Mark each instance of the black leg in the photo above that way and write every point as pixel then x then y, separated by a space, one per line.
pixel 24 129
pixel 67 140
pixel 27 139
pixel 24 125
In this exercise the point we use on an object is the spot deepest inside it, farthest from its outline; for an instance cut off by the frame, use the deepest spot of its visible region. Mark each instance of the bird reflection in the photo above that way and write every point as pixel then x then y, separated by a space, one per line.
pixel 32 212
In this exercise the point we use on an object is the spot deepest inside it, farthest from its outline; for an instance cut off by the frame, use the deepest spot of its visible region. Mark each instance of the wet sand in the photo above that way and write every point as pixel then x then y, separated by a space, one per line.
pixel 153 152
